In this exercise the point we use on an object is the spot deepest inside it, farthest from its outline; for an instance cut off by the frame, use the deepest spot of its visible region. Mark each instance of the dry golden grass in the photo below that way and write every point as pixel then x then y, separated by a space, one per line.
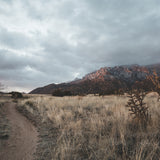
pixel 99 128
pixel 5 98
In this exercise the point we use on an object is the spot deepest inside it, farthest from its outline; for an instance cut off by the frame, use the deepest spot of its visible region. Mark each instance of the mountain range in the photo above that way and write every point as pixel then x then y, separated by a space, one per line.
pixel 106 80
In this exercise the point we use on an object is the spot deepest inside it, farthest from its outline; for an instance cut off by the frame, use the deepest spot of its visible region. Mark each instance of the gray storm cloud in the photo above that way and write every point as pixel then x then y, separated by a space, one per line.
pixel 54 41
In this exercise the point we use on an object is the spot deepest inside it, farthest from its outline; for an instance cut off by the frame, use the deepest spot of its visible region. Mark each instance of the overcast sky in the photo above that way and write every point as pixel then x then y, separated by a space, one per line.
pixel 53 41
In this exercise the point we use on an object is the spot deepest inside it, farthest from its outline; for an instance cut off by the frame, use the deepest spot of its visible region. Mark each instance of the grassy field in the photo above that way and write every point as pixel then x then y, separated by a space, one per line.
pixel 98 128
pixel 4 123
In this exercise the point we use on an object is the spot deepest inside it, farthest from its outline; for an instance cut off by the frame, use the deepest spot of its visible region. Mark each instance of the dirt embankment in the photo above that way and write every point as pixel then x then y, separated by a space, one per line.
pixel 22 141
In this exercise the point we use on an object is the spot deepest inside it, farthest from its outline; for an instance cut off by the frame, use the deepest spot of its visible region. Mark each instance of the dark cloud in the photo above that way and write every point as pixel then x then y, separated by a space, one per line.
pixel 47 41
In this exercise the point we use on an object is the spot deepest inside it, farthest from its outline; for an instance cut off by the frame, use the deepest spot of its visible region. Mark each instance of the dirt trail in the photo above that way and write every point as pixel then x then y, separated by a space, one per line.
pixel 23 137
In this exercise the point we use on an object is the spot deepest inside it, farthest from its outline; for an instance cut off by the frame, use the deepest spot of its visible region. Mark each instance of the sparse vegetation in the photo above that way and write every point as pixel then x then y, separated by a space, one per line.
pixel 155 80
pixel 93 127
pixel 138 108
pixel 4 124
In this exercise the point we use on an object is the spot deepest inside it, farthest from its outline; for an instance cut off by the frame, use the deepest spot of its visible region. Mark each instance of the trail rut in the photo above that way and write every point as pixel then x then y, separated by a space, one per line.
pixel 23 138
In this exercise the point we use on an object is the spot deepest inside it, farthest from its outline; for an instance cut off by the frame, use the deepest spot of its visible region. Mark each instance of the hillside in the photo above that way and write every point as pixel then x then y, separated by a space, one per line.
pixel 107 80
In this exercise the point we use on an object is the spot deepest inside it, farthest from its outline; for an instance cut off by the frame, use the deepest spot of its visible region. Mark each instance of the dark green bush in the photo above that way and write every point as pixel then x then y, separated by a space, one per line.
pixel 61 93
pixel 16 95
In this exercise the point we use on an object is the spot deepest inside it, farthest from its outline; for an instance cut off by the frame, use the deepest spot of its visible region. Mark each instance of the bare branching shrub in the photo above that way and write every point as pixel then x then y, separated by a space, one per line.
pixel 156 83
pixel 138 108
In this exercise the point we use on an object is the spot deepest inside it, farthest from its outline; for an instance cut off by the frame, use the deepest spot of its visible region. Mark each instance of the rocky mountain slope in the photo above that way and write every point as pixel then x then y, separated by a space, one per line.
pixel 106 80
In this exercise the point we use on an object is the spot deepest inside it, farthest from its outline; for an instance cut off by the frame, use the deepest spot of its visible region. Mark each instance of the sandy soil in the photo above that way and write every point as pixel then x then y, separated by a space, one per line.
pixel 23 138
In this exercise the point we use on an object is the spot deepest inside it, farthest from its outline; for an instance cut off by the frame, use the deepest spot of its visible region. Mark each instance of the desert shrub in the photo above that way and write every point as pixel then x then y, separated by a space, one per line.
pixel 61 93
pixel 16 95
pixel 138 109
pixel 57 93
pixel 155 80
pixel 67 93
